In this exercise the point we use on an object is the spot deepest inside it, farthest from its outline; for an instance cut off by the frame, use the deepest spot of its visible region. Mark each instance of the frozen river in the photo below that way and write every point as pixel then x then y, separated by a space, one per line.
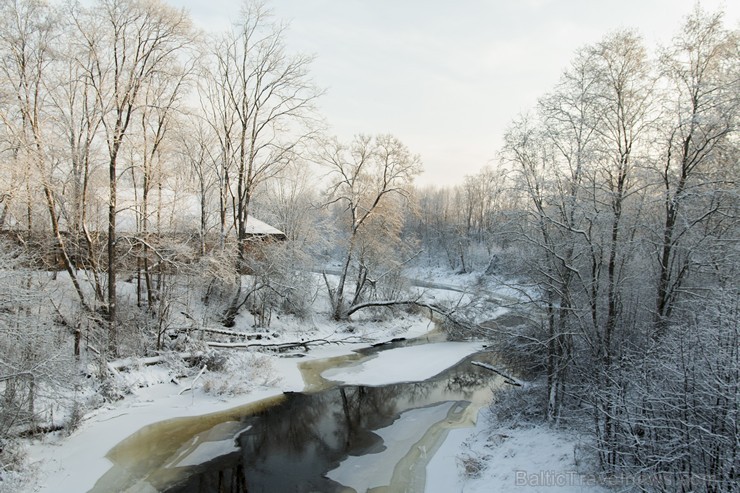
pixel 370 421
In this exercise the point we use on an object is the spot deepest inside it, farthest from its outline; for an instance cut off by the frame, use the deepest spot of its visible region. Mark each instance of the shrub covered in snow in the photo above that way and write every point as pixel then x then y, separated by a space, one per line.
pixel 241 372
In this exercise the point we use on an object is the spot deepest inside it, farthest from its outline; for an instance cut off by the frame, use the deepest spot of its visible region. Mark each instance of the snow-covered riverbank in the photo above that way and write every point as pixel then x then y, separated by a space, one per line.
pixel 74 463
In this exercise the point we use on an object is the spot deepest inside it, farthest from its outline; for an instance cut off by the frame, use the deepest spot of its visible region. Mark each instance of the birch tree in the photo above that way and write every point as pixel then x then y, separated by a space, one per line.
pixel 702 75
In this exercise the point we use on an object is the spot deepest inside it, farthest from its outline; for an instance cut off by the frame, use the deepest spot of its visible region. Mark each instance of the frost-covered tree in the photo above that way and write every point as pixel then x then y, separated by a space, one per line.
pixel 628 168
pixel 131 46
pixel 369 178
pixel 34 367
pixel 701 100
pixel 259 100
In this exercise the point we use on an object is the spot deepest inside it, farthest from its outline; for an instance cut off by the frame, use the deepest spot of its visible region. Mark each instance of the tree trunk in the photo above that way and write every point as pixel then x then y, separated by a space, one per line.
pixel 111 309
pixel 338 312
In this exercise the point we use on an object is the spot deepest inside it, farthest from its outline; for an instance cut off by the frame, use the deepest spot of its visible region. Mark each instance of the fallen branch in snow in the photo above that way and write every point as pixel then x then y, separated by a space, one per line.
pixel 418 303
pixel 126 362
pixel 507 378
pixel 120 364
pixel 192 384
pixel 246 335
pixel 283 346
pixel 446 314
pixel 40 430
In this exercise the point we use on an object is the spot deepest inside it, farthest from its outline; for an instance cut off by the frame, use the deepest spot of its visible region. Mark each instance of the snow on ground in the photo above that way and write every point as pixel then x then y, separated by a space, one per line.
pixel 443 276
pixel 492 459
pixel 376 470
pixel 481 297
pixel 407 364
pixel 75 463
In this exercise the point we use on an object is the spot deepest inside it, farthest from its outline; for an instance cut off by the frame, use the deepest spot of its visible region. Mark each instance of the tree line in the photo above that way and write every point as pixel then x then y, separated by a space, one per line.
pixel 616 200
pixel 134 153
pixel 125 130
pixel 136 149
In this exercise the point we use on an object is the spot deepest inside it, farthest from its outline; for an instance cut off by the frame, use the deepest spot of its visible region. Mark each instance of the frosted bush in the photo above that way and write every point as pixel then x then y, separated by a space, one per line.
pixel 242 373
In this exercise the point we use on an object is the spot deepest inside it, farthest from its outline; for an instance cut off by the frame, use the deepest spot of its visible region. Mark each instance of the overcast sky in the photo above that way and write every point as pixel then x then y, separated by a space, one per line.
pixel 445 76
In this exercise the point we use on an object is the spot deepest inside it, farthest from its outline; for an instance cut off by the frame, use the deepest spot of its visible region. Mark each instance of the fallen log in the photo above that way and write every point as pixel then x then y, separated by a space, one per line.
pixel 385 343
pixel 120 364
pixel 507 378
pixel 40 430
pixel 284 346
pixel 246 335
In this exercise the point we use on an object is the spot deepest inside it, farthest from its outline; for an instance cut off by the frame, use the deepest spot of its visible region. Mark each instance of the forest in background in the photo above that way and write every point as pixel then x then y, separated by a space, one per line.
pixel 134 149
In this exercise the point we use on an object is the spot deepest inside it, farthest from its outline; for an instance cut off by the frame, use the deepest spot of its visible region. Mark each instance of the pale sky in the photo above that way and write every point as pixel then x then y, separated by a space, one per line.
pixel 447 77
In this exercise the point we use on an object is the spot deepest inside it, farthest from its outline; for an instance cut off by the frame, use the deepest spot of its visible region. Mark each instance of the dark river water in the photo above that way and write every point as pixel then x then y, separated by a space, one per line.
pixel 343 438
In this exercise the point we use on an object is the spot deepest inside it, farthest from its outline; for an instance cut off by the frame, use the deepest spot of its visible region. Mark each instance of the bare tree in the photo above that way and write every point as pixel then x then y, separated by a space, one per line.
pixel 289 202
pixel 29 34
pixel 437 222
pixel 161 99
pixel 624 98
pixel 130 44
pixel 570 119
pixel 701 114
pixel 31 361
pixel 197 147
pixel 576 162
pixel 650 347
pixel 77 123
pixel 367 176
pixel 260 102
pixel 537 172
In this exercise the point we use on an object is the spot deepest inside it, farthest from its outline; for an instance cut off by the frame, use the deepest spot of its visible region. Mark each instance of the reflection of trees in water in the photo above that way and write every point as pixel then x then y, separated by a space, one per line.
pixel 305 413
pixel 291 445
pixel 466 380
pixel 374 405
pixel 232 480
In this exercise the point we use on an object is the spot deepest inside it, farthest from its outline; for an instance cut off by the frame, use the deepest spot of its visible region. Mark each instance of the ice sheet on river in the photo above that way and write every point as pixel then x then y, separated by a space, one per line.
pixel 406 364
pixel 399 439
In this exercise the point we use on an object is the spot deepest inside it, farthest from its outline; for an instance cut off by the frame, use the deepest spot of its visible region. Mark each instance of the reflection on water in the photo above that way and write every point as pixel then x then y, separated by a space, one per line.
pixel 298 442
